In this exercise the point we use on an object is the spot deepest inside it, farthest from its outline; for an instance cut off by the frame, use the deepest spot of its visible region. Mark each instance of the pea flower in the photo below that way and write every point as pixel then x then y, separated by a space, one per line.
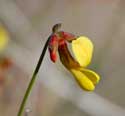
pixel 82 49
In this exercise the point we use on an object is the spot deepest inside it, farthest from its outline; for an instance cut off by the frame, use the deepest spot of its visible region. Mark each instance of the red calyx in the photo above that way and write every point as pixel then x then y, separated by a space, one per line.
pixel 53 56
pixel 67 36
pixel 53 47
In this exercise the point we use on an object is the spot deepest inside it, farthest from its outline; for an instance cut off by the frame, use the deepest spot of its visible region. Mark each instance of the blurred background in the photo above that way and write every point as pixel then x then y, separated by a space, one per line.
pixel 24 28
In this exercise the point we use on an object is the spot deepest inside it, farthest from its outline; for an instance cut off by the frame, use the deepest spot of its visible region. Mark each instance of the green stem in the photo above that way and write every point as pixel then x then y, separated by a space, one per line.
pixel 32 79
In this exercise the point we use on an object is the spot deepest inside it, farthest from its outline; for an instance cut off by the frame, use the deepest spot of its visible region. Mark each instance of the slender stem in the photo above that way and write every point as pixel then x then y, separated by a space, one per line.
pixel 29 88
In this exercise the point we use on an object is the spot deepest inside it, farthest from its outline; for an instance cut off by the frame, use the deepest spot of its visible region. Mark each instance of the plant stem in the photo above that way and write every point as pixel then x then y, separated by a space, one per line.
pixel 29 88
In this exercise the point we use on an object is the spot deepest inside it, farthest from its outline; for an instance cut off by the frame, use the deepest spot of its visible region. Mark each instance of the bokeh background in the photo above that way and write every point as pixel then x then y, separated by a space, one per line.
pixel 26 25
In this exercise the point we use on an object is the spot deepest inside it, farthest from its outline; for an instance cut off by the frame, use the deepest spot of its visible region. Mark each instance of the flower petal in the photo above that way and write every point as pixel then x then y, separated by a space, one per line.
pixel 94 77
pixel 82 48
pixel 83 80
pixel 66 58
pixel 3 38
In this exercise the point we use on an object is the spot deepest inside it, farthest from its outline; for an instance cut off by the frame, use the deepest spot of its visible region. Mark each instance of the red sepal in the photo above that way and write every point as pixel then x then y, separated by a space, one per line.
pixel 53 47
pixel 68 36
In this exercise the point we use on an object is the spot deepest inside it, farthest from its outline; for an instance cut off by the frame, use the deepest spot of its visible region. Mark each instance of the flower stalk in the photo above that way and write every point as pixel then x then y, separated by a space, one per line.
pixel 32 81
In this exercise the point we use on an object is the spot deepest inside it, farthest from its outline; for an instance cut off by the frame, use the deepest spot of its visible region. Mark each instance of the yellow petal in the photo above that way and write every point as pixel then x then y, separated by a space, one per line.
pixel 3 38
pixel 82 48
pixel 94 77
pixel 83 81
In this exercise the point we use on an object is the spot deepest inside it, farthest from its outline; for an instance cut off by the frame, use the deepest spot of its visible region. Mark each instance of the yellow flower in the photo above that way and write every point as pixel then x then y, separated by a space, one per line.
pixel 82 48
pixel 3 38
